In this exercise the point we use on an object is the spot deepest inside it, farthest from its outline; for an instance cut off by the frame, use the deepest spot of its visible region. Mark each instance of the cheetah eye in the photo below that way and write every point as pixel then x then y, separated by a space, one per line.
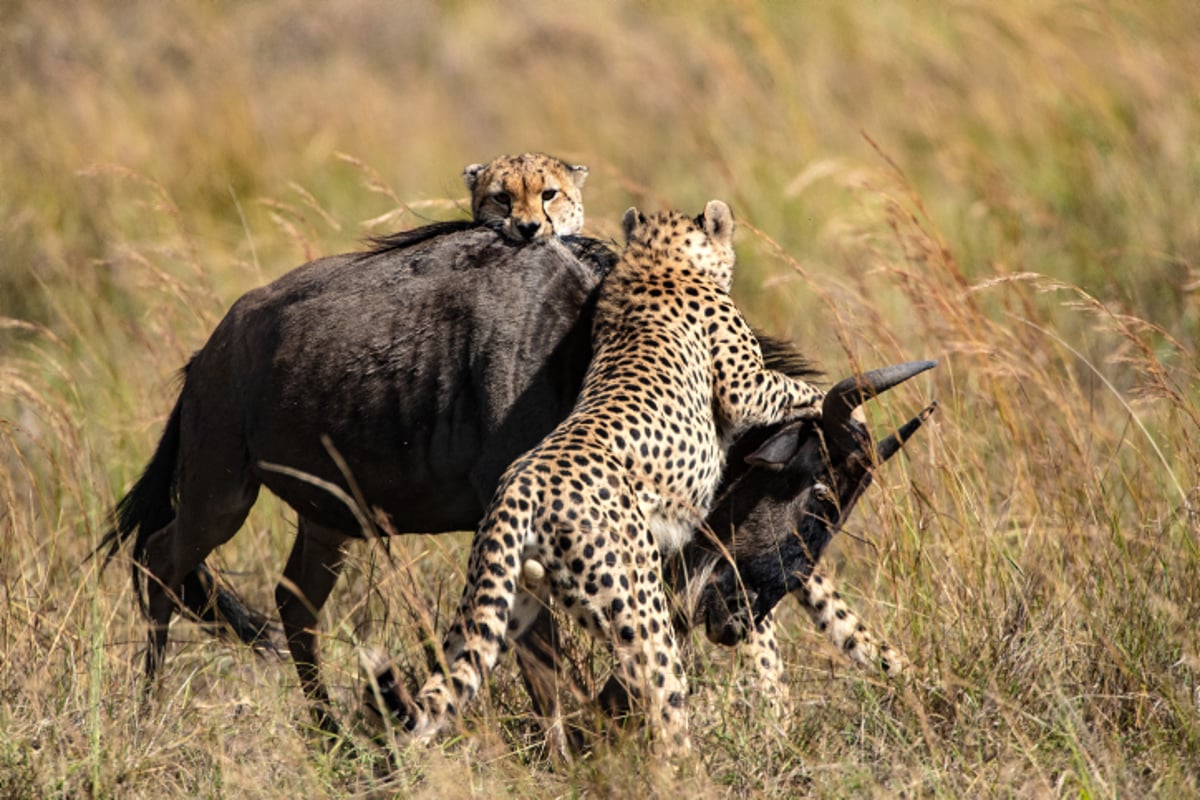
pixel 503 199
pixel 549 194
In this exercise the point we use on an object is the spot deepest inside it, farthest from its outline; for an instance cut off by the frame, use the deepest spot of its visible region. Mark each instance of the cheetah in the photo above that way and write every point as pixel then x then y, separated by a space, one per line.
pixel 527 197
pixel 849 634
pixel 835 619
pixel 627 477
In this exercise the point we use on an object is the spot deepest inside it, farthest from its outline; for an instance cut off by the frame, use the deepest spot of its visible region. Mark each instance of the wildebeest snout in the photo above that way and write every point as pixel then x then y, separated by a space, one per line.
pixel 726 607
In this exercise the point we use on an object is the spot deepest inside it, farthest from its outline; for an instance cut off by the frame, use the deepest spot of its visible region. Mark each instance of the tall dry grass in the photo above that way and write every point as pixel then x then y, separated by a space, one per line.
pixel 1009 189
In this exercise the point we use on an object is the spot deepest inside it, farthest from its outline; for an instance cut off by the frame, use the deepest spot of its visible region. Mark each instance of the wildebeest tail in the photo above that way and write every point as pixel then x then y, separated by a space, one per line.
pixel 149 507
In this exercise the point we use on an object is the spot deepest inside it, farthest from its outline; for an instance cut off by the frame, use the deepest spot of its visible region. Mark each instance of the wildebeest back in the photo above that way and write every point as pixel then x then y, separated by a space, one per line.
pixel 398 357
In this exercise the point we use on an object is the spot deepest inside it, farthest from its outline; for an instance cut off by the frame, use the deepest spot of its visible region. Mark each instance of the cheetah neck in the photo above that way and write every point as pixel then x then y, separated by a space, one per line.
pixel 646 262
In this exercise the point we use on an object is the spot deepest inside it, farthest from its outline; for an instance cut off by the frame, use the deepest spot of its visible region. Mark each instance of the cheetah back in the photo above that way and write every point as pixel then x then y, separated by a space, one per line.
pixel 677 371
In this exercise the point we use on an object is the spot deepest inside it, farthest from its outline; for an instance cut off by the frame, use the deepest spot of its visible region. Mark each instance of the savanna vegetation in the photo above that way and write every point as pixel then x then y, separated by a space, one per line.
pixel 1011 188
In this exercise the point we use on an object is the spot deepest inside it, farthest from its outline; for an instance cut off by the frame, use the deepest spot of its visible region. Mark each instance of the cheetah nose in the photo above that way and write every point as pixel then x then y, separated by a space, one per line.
pixel 529 229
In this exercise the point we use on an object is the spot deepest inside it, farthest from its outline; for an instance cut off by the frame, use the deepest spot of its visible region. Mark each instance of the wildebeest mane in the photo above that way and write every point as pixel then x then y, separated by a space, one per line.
pixel 379 245
pixel 597 254
pixel 782 356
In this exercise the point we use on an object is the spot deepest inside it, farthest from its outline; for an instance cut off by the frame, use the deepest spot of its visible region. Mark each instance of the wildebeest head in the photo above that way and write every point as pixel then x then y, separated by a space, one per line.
pixel 788 489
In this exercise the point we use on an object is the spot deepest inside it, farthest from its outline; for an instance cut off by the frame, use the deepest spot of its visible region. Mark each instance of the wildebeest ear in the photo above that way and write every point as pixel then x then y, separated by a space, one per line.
pixel 778 451
pixel 579 173
pixel 718 222
pixel 630 223
pixel 471 175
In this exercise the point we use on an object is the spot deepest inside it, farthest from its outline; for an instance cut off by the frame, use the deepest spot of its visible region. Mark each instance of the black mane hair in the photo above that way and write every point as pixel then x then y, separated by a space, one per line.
pixel 388 243
pixel 782 356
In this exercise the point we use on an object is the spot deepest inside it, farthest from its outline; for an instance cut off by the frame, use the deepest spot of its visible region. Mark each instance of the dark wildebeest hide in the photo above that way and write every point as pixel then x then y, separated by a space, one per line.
pixel 420 369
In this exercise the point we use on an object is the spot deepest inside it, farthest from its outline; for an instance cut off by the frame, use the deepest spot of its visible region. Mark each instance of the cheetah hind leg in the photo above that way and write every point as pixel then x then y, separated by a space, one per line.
pixel 846 631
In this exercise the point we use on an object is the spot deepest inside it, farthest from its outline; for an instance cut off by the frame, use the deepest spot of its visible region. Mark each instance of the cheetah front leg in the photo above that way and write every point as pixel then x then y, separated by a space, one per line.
pixel 747 393
pixel 830 613
pixel 472 645
pixel 761 648
pixel 845 630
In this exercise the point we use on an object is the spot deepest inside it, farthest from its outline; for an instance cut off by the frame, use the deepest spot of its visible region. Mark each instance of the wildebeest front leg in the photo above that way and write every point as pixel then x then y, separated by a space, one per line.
pixel 311 572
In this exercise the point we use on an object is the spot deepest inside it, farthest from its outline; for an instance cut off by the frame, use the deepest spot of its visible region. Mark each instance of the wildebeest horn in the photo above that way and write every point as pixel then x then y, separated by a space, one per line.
pixel 888 447
pixel 849 394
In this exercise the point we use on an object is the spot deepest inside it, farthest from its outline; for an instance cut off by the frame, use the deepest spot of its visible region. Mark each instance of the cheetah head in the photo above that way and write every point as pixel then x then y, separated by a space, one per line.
pixel 706 242
pixel 527 197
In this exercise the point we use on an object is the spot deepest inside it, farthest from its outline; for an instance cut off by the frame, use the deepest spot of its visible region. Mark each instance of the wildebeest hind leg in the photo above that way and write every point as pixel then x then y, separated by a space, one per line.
pixel 161 596
pixel 311 572
pixel 174 551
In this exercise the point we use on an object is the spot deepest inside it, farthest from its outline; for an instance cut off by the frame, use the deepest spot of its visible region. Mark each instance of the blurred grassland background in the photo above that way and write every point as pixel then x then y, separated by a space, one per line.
pixel 1013 189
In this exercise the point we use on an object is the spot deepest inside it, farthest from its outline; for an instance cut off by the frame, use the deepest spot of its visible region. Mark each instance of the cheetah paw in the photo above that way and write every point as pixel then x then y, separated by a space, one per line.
pixel 386 701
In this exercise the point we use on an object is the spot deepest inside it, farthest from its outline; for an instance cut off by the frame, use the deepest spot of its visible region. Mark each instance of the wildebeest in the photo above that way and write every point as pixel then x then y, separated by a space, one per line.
pixel 426 364
pixel 815 473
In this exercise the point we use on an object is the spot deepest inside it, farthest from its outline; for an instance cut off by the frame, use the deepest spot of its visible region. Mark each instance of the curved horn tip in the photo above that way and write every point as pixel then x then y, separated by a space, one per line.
pixel 907 369
pixel 891 444
pixel 841 400
pixel 857 389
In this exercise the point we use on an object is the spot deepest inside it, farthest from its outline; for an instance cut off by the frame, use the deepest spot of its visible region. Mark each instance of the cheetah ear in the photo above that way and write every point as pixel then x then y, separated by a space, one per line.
pixel 579 173
pixel 779 450
pixel 471 175
pixel 718 222
pixel 631 222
